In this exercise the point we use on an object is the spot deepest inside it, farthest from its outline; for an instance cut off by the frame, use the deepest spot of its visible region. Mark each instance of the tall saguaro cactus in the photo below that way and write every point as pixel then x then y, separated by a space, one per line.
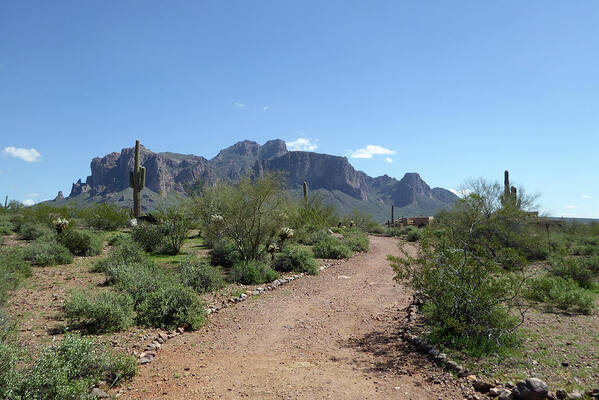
pixel 305 192
pixel 137 180
pixel 510 193
pixel 393 215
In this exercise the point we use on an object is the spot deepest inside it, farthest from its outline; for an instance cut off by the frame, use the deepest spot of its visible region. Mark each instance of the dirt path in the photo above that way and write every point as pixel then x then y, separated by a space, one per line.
pixel 332 336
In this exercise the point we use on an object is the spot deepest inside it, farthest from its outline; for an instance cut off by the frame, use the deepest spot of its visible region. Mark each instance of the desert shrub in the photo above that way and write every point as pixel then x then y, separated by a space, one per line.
pixel 311 214
pixel 67 370
pixel 106 217
pixel 574 269
pixel 125 251
pixel 149 236
pixel 591 263
pixel 309 236
pixel 376 229
pixel 10 377
pixel 47 251
pixel 252 273
pixel 137 279
pixel 331 247
pixel 356 240
pixel 13 270
pixel 170 307
pixel 81 243
pixel 175 226
pixel 201 276
pixel 100 313
pixel 585 250
pixel 119 238
pixel 32 231
pixel 6 226
pixel 413 235
pixel 562 293
pixel 297 259
pixel 248 212
pixel 225 254
pixel 510 259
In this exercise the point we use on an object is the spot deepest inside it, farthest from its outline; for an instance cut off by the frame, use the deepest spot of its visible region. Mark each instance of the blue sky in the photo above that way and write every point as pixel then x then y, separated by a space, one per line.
pixel 452 90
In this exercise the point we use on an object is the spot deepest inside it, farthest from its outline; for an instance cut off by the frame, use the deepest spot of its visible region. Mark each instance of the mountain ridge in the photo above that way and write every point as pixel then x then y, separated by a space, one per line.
pixel 326 174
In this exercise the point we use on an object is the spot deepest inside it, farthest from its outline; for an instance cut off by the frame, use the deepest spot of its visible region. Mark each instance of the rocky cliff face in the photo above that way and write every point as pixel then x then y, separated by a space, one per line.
pixel 171 172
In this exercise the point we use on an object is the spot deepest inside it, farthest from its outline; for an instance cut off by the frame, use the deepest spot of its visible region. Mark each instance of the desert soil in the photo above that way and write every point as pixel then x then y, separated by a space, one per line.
pixel 331 336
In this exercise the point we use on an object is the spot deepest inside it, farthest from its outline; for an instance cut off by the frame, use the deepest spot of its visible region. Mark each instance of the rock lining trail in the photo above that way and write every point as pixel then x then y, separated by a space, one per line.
pixel 331 336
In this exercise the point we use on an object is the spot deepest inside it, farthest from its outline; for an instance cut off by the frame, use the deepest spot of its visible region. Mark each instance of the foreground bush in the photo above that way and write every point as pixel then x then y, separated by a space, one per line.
pixel 100 313
pixel 81 243
pixel 125 251
pixel 562 293
pixel 13 270
pixel 574 269
pixel 149 236
pixel 6 226
pixel 201 276
pixel 310 236
pixel 47 251
pixel 252 273
pixel 70 368
pixel 175 226
pixel 331 247
pixel 225 254
pixel 159 299
pixel 32 231
pixel 107 217
pixel 297 259
pixel 170 307
pixel 356 240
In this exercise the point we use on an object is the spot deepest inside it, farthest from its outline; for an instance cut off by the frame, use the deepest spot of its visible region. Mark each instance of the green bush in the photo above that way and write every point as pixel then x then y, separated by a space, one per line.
pixel 137 279
pixel 70 368
pixel 297 259
pixel 331 247
pixel 149 236
pixel 13 270
pixel 119 239
pixel 175 226
pixel 356 241
pixel 252 273
pixel 585 250
pixel 562 293
pixel 201 276
pixel 47 251
pixel 170 307
pixel 591 263
pixel 101 313
pixel 574 269
pixel 310 236
pixel 125 251
pixel 10 377
pixel 225 254
pixel 81 243
pixel 510 259
pixel 6 226
pixel 106 217
pixel 413 235
pixel 32 231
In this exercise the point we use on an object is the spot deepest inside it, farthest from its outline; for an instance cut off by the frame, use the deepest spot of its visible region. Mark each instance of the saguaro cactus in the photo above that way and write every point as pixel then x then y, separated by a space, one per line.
pixel 306 192
pixel 137 180
pixel 392 215
pixel 510 193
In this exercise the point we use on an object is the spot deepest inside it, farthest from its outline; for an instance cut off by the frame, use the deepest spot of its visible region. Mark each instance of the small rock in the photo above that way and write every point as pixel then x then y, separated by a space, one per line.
pixel 574 395
pixel 144 360
pixel 481 386
pixel 506 395
pixel 494 391
pixel 531 389
pixel 180 329
pixel 163 336
pixel 99 393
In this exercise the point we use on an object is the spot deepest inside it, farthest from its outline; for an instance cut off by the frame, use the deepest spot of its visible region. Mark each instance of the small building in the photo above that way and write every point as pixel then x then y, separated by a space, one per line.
pixel 418 222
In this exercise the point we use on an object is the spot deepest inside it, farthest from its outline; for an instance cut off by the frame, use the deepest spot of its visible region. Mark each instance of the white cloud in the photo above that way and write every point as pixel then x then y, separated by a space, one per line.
pixel 265 108
pixel 586 196
pixel 570 206
pixel 302 144
pixel 32 195
pixel 29 155
pixel 28 202
pixel 388 159
pixel 369 151
pixel 461 193
pixel 240 105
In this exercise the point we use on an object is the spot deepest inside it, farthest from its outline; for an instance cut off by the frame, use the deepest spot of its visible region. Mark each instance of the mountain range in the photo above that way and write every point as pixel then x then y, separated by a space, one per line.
pixel 332 177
